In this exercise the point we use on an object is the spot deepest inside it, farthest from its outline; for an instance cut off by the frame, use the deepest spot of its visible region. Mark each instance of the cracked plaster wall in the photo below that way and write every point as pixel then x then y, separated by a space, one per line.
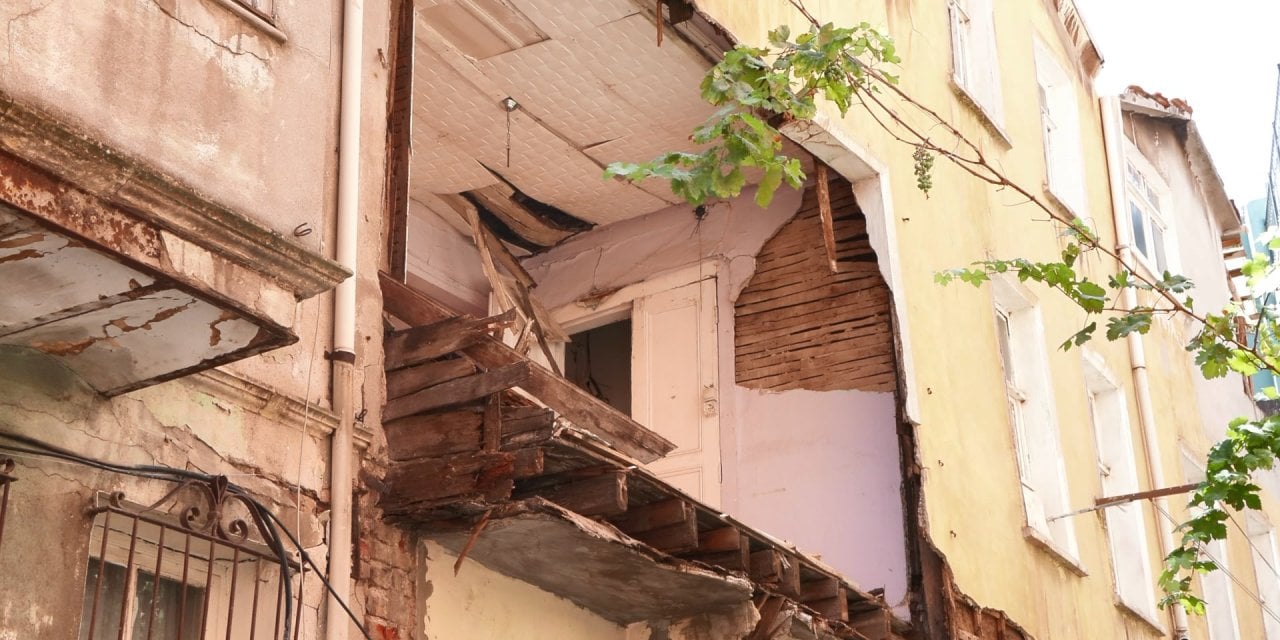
pixel 47 531
pixel 210 97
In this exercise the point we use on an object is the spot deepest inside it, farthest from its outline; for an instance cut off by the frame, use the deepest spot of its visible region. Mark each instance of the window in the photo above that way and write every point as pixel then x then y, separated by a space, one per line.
pixel 1262 541
pixel 1118 473
pixel 164 610
pixel 1215 586
pixel 1145 192
pixel 599 361
pixel 193 570
pixel 1041 469
pixel 1060 129
pixel 974 59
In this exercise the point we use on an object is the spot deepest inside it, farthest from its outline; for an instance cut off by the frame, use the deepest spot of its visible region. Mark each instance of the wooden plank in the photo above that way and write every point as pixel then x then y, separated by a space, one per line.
pixel 875 624
pixel 495 247
pixel 820 589
pixel 654 515
pixel 489 475
pixel 577 406
pixel 766 567
pixel 496 199
pixel 722 539
pixel 824 213
pixel 491 425
pixel 733 560
pixel 420 376
pixel 528 462
pixel 834 608
pixel 600 495
pixel 522 419
pixel 790 586
pixel 413 307
pixel 679 537
pixel 419 344
pixel 459 391
pixel 433 435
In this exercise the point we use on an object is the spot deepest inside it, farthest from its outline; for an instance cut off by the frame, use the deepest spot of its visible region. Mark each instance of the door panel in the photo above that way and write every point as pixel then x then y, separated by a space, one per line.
pixel 674 385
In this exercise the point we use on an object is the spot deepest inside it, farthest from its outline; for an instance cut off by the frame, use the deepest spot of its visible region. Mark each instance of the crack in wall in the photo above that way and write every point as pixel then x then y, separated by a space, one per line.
pixel 22 16
pixel 212 40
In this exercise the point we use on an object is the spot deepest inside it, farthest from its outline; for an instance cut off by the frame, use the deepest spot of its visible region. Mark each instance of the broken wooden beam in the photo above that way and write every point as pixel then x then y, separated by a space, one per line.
pixel 598 495
pixel 433 435
pixel 654 515
pixel 680 537
pixel 670 525
pixel 528 463
pixel 405 381
pixel 446 433
pixel 458 391
pixel 826 596
pixel 419 344
pixel 726 547
pixel 430 481
pixel 875 624
pixel 577 406
pixel 766 567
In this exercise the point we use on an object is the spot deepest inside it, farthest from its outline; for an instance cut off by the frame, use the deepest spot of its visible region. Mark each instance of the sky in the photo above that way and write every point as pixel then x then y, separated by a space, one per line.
pixel 1220 56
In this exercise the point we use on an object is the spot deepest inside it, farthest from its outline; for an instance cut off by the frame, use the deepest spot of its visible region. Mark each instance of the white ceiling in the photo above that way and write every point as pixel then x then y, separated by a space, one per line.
pixel 593 88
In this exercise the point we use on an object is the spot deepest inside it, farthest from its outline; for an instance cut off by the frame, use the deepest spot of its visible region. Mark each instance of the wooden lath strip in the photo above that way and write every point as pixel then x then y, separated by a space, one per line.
pixel 824 212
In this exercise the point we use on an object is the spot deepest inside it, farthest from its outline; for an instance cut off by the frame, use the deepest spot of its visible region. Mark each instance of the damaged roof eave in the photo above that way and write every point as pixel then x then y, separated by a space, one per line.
pixel 594 565
pixel 1201 162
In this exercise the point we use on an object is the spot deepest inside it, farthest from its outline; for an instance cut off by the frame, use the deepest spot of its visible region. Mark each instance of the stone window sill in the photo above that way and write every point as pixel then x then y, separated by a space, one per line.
pixel 252 17
pixel 1062 556
pixel 984 116
pixel 1147 618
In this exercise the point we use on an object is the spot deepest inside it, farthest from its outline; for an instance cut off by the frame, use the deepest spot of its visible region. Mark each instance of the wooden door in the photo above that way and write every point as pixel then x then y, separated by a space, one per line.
pixel 674 387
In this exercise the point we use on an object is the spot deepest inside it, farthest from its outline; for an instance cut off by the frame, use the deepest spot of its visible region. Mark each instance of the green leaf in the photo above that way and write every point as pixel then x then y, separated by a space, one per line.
pixel 768 185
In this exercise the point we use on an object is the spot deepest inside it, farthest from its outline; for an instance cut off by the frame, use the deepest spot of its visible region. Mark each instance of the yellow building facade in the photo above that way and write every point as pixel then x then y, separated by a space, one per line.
pixel 974 468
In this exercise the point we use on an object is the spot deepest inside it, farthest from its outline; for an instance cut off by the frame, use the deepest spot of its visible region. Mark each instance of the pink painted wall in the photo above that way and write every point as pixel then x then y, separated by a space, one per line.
pixel 820 469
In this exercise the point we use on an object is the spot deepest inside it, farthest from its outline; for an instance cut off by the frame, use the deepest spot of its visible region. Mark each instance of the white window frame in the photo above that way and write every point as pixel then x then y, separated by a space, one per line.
pixel 975 60
pixel 1060 132
pixel 1032 417
pixel 1266 563
pixel 1221 615
pixel 1126 524
pixel 1146 190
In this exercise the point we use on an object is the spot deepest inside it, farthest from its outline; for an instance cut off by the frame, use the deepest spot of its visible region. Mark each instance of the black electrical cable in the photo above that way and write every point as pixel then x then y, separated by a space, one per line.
pixel 159 472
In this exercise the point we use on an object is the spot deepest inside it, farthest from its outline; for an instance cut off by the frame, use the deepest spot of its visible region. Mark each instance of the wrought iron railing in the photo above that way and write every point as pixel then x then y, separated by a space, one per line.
pixel 200 563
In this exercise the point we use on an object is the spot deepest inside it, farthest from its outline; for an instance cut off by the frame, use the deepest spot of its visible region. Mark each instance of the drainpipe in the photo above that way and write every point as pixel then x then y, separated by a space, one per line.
pixel 337 624
pixel 1113 136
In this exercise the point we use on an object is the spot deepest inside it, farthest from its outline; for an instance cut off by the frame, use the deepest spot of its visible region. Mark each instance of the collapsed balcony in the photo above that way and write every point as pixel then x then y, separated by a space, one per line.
pixel 507 464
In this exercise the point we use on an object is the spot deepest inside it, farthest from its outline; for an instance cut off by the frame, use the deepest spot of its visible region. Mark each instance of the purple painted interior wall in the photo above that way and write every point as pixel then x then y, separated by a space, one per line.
pixel 820 469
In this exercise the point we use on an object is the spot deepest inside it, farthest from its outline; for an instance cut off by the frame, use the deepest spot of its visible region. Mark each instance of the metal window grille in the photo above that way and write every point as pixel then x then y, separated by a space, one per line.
pixel 199 564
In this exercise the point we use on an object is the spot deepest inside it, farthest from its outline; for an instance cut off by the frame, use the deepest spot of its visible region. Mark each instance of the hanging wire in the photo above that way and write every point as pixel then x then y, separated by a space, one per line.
pixel 1240 583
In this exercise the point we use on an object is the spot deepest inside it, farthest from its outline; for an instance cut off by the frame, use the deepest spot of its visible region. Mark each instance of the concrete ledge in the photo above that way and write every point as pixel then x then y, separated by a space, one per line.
pixel 131 185
pixel 593 564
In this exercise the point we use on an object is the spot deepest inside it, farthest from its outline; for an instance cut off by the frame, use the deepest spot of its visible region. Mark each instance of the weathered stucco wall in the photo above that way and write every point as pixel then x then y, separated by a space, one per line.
pixel 183 425
pixel 1194 423
pixel 480 604
pixel 972 499
pixel 204 93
